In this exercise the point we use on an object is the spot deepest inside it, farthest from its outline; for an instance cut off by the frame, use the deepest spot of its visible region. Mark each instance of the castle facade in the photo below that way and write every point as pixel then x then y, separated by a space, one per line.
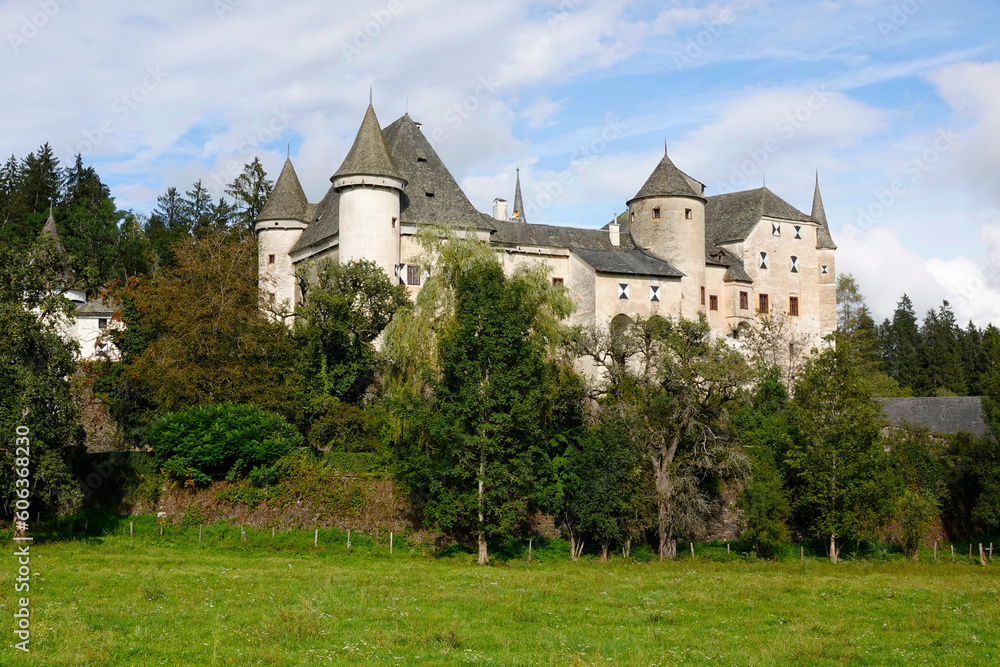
pixel 675 253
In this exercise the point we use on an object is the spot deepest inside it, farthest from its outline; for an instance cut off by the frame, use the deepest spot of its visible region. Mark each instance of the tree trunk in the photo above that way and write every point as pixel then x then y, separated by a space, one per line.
pixel 627 548
pixel 572 547
pixel 833 548
pixel 604 552
pixel 484 556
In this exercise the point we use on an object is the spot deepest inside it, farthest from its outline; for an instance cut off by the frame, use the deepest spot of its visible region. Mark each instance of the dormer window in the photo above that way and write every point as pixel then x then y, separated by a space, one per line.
pixel 656 213
pixel 763 260
pixel 421 157
pixel 775 229
pixel 798 232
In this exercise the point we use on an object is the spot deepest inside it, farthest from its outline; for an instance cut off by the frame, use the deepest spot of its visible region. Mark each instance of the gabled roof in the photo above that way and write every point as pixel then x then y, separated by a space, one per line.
pixel 431 194
pixel 288 199
pixel 96 307
pixel 627 262
pixel 369 156
pixel 669 181
pixel 823 236
pixel 519 200
pixel 554 236
pixel 714 255
pixel 730 218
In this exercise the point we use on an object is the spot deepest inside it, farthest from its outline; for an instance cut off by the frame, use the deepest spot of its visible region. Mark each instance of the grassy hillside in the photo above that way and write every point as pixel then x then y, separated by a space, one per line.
pixel 152 601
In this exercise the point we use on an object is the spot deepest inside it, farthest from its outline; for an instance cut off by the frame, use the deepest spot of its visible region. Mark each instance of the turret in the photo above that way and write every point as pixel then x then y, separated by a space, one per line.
pixel 825 251
pixel 370 188
pixel 667 219
pixel 279 226
pixel 518 201
pixel 66 278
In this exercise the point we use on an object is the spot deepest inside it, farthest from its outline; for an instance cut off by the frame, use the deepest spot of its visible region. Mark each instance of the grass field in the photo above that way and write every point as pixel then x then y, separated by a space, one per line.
pixel 174 601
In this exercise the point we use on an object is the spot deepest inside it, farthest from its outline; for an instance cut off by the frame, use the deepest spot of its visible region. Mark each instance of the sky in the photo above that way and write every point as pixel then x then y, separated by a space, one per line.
pixel 895 104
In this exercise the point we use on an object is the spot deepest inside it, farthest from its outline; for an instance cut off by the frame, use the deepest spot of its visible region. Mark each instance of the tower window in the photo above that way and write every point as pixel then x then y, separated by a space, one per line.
pixel 825 270
pixel 793 306
pixel 713 302
pixel 623 291
pixel 394 221
pixel 631 217
pixel 775 229
pixel 656 213
pixel 763 260
pixel 270 259
pixel 557 281
pixel 429 194
pixel 688 214
pixel 703 296
pixel 412 275
pixel 798 232
pixel 762 303
pixel 744 301
pixel 793 264
pixel 654 293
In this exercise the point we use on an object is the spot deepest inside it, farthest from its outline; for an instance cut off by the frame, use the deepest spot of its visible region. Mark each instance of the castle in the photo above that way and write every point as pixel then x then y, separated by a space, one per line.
pixel 675 252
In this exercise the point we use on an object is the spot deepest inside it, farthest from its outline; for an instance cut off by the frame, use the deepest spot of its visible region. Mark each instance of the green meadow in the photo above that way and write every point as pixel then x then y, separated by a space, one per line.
pixel 172 600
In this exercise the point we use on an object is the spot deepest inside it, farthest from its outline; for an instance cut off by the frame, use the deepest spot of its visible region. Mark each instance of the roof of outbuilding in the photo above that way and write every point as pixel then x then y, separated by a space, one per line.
pixel 731 217
pixel 553 236
pixel 938 415
pixel 627 262
pixel 96 307
pixel 431 194
pixel 288 199
pixel 669 181
pixel 369 156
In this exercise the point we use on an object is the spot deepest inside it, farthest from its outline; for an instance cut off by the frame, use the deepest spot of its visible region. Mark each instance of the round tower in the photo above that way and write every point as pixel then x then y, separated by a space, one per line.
pixel 370 189
pixel 279 226
pixel 667 219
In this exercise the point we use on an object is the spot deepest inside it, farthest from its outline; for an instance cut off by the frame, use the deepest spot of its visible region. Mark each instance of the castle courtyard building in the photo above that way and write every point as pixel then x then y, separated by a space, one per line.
pixel 676 252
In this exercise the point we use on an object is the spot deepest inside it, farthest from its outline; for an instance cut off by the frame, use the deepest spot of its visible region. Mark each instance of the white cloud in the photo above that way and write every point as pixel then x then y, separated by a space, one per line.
pixel 542 111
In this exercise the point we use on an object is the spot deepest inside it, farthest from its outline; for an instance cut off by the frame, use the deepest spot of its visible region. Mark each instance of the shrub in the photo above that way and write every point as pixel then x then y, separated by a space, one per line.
pixel 206 443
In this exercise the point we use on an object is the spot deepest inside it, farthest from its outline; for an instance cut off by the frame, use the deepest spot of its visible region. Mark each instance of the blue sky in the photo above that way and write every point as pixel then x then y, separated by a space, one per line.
pixel 895 103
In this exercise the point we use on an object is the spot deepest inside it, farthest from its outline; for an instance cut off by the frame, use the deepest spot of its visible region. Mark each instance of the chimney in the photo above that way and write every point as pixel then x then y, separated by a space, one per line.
pixel 613 229
pixel 500 209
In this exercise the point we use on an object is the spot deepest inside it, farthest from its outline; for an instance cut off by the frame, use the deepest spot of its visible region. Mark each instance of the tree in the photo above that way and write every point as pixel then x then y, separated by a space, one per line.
pixel 675 389
pixel 250 190
pixel 36 364
pixel 198 209
pixel 900 341
pixel 213 343
pixel 772 343
pixel 41 181
pixel 484 442
pixel 841 483
pixel 943 372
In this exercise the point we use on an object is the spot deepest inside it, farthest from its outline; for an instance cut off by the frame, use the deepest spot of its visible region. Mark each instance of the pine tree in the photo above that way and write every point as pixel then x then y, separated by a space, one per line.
pixel 943 374
pixel 41 181
pixel 901 344
pixel 198 208
pixel 250 190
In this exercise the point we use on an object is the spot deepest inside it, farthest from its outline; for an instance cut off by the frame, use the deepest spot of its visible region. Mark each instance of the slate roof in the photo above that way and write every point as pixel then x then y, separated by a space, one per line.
pixel 66 274
pixel 731 217
pixel 555 236
pixel 938 415
pixel 627 262
pixel 369 156
pixel 96 307
pixel 519 201
pixel 325 223
pixel 288 199
pixel 717 256
pixel 431 194
pixel 669 181
pixel 823 237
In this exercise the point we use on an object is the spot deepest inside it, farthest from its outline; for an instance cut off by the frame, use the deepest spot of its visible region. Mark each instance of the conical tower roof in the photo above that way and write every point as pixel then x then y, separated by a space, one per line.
pixel 50 230
pixel 667 181
pixel 823 237
pixel 288 199
pixel 519 201
pixel 369 156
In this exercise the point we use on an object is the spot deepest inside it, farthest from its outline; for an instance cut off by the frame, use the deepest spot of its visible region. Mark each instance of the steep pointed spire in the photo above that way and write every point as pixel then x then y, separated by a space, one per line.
pixel 288 199
pixel 823 237
pixel 667 181
pixel 66 274
pixel 369 156
pixel 518 200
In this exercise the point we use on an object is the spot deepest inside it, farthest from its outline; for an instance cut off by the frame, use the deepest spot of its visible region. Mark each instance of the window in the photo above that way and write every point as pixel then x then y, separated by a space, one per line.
pixel 688 214
pixel 272 299
pixel 394 220
pixel 703 296
pixel 557 281
pixel 775 229
pixel 713 302
pixel 744 301
pixel 430 195
pixel 412 274
pixel 825 270
pixel 270 259
pixel 656 213
pixel 762 303
pixel 102 323
pixel 631 217
pixel 793 264
pixel 623 291
pixel 798 232
pixel 654 293
pixel 763 260
pixel 793 306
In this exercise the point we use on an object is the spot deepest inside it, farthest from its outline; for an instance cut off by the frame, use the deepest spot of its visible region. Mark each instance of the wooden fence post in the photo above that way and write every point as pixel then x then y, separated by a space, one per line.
pixel 728 550
pixel 200 526
pixel 243 533
pixel 316 538
pixel 692 549
pixel 161 530
pixel 982 556
pixel 348 540
pixel 991 552
pixel 531 540
pixel 390 542
pixel 935 550
pixel 802 553
pixel 953 553
pixel 130 529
